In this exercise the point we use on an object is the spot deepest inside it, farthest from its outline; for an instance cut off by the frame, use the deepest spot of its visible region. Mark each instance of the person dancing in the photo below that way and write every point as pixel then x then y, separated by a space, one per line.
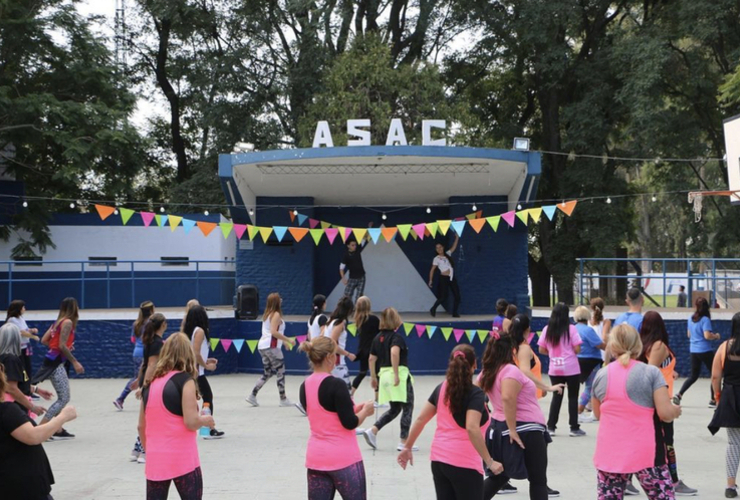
pixel 337 330
pixel 146 309
pixel 333 458
pixel 354 286
pixel 443 261
pixel 368 326
pixel 318 319
pixel 497 325
pixel 590 358
pixel 19 388
pixel 16 310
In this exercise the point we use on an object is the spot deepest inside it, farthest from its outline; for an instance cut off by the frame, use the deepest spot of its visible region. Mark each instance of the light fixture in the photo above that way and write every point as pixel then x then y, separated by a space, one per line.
pixel 384 217
pixel 251 211
pixel 295 212
pixel 519 206
pixel 475 208
pixel 25 204
pixel 654 199
pixel 608 201
pixel 115 212
pixel 161 209
pixel 429 210
pixel 521 144
pixel 71 205
pixel 206 213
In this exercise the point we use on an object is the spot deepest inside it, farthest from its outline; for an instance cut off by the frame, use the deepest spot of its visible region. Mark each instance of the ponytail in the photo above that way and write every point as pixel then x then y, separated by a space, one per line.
pixel 459 377
pixel 319 301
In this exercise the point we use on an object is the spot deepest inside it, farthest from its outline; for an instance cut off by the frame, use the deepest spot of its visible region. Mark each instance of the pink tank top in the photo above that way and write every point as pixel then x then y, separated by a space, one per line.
pixel 330 446
pixel 451 444
pixel 626 439
pixel 171 448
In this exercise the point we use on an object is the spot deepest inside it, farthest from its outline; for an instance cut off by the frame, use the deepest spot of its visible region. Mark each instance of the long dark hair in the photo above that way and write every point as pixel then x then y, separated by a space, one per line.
pixel 498 353
pixel 196 318
pixel 501 306
pixel 558 326
pixel 734 349
pixel 15 309
pixel 153 325
pixel 319 301
pixel 519 324
pixel 459 377
pixel 653 330
pixel 146 309
pixel 702 309
pixel 68 309
pixel 343 310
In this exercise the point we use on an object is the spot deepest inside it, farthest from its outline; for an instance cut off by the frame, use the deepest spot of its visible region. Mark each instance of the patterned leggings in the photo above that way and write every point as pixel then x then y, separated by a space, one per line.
pixel 733 451
pixel 656 481
pixel 189 486
pixel 60 382
pixel 396 408
pixel 349 482
pixel 272 361
pixel 355 288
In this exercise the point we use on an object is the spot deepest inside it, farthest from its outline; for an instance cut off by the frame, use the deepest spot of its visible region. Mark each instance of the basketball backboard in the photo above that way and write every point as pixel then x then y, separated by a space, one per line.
pixel 732 145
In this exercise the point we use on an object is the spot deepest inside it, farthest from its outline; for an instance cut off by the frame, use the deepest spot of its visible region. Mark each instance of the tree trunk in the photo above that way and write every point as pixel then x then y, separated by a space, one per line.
pixel 540 277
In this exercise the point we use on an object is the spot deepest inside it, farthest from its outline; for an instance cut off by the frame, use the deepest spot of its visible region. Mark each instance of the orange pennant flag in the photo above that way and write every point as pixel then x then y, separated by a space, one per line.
pixel 389 233
pixel 567 206
pixel 206 227
pixel 292 215
pixel 104 212
pixel 477 224
pixel 298 233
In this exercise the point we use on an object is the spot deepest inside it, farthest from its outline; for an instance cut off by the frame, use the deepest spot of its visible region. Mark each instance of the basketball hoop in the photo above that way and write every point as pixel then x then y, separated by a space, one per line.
pixel 697 197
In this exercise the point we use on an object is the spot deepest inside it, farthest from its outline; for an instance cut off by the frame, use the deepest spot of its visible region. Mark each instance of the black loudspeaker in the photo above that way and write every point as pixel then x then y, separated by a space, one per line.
pixel 247 302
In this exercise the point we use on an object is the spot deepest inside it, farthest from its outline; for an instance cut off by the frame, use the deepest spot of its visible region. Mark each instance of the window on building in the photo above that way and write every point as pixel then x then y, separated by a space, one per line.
pixel 28 261
pixel 175 261
pixel 102 261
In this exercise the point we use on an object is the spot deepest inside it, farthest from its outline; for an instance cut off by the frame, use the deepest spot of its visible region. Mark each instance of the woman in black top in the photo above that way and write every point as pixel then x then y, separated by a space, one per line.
pixel 19 383
pixel 368 326
pixel 24 468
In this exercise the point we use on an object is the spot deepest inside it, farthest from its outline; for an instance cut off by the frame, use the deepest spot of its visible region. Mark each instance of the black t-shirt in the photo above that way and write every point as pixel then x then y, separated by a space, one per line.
pixel 367 333
pixel 15 372
pixel 474 400
pixel 150 350
pixel 381 348
pixel 353 262
pixel 172 393
pixel 334 397
pixel 24 470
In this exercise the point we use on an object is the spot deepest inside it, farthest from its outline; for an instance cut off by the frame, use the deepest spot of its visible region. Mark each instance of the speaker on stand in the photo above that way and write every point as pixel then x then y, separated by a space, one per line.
pixel 247 302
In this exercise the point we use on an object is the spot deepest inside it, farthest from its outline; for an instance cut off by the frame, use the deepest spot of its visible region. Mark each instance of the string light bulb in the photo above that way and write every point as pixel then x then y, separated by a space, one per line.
pixel 71 205
pixel 429 210
pixel 251 211
pixel 475 208
pixel 609 201
pixel 654 199
pixel 295 212
pixel 25 204
pixel 161 210
pixel 384 217
pixel 115 212
pixel 206 213
pixel 519 206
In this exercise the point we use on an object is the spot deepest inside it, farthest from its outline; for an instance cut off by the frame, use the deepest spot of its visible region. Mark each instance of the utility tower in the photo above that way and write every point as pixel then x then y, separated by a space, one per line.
pixel 121 35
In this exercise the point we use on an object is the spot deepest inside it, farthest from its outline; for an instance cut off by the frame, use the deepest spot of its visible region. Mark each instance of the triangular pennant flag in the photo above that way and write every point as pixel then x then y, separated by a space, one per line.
pixel 214 343
pixel 125 214
pixel 352 328
pixel 359 234
pixel 479 214
pixel 292 215
pixel 187 225
pixel 549 211
pixel 175 221
pixel 238 343
pixel 298 233
pixel 471 216
pixel 535 214
pixel 226 228
pixel 158 220
pixel 458 226
pixel 347 233
pixel 470 334
pixel 430 330
pixel 446 332
pixel 482 334
pixel 104 212
pixel 419 229
pixel 280 232
pixel 301 219
pixel 407 327
pixel 289 345
pixel 226 343
pixel 162 220
pixel 252 344
pixel 238 229
pixel 343 233
pixel 404 229
pixel 206 227
pixel 421 330
pixel 444 225
pixel 325 225
pixel 389 233
pixel 477 224
pixel 252 231
pixel 494 221
pixel 147 217
pixel 432 228
pixel 331 234
pixel 458 334
pixel 301 339
pixel 316 234
pixel 265 232
pixel 374 233
pixel 523 216
pixel 312 223
pixel 509 218
pixel 414 235
pixel 567 207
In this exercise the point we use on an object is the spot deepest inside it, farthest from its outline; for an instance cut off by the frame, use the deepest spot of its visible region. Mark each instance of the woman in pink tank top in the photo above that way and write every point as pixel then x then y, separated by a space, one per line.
pixel 458 448
pixel 625 397
pixel 168 421
pixel 333 458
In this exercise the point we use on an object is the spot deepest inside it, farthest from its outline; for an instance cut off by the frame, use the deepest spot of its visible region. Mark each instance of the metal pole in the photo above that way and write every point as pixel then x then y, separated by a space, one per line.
pixel 714 283
pixel 133 286
pixel 10 281
pixel 197 280
pixel 664 290
pixel 82 283
pixel 107 282
pixel 580 261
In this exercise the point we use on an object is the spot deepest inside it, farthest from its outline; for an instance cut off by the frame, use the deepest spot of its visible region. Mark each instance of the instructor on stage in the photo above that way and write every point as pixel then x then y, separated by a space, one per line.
pixel 354 286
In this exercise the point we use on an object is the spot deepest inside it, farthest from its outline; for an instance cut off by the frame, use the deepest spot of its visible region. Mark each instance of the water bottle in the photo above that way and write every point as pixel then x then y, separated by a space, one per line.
pixel 205 431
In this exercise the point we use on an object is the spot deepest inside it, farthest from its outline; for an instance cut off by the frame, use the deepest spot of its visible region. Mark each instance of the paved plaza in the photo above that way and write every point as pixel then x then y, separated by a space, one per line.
pixel 263 452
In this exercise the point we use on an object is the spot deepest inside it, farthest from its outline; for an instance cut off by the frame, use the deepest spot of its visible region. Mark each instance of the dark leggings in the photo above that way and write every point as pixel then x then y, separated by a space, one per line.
pixel 670 450
pixel 205 391
pixel 535 459
pixel 572 382
pixel 26 362
pixel 364 359
pixel 697 359
pixel 189 486
pixel 443 291
pixel 396 408
pixel 349 482
pixel 456 483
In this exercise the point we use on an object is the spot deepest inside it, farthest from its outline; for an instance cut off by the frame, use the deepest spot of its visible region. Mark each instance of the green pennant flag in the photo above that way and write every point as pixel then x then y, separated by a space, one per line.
pixel 430 330
pixel 252 345
pixel 446 332
pixel 494 221
pixel 470 334
pixel 316 234
pixel 352 329
pixel 125 214
pixel 407 327
pixel 214 342
pixel 226 228
pixel 158 218
pixel 523 216
pixel 482 334
pixel 404 230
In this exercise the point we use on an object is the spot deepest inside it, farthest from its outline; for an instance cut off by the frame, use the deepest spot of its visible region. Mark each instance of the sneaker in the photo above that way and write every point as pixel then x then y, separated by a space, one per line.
pixel 676 400
pixel 507 489
pixel 574 433
pixel 284 403
pixel 401 446
pixel 215 434
pixel 551 432
pixel 552 493
pixel 63 435
pixel 35 397
pixel 712 404
pixel 141 459
pixel 433 312
pixel 301 409
pixel 731 492
pixel 360 431
pixel 631 490
pixel 118 405
pixel 252 400
pixel 371 439
pixel 134 456
pixel 681 489
pixel 585 418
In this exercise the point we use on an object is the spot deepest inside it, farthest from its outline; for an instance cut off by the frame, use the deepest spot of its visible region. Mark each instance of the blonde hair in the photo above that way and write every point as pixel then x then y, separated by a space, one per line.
pixel 191 303
pixel 273 306
pixel 177 355
pixel 390 319
pixel 362 311
pixel 624 343
pixel 581 314
pixel 318 349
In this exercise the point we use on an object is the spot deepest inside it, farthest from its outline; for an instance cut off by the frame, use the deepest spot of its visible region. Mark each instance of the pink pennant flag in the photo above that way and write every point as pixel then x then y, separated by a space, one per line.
pixel 226 343
pixel 312 223
pixel 421 330
pixel 419 229
pixel 239 230
pixel 301 339
pixel 147 217
pixel 331 234
pixel 458 334
pixel 509 218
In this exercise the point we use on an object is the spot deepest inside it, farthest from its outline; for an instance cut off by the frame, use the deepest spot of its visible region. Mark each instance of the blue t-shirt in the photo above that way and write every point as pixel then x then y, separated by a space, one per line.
pixel 138 344
pixel 631 318
pixel 697 342
pixel 590 340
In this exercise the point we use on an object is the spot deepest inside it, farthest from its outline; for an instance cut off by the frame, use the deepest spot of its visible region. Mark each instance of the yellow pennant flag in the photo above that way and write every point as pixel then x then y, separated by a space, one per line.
pixel 523 216
pixel 342 233
pixel 432 228
pixel 325 225
pixel 359 234
pixel 265 232
pixel 444 225
pixel 535 213
pixel 252 230
pixel 174 222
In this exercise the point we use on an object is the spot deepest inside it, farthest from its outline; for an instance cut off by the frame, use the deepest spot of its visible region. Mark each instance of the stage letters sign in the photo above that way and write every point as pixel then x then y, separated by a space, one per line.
pixel 358 135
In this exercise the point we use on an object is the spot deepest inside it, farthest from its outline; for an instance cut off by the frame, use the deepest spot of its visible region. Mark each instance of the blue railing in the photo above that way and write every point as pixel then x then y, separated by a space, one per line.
pixel 120 283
